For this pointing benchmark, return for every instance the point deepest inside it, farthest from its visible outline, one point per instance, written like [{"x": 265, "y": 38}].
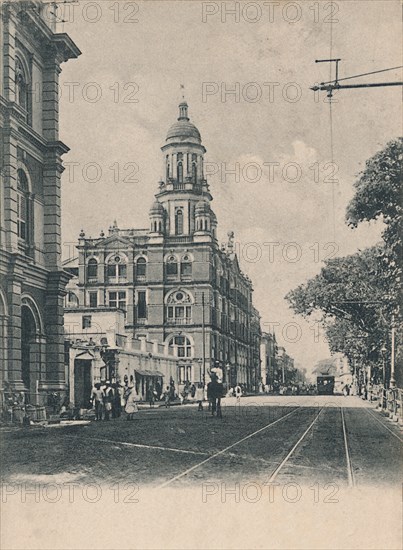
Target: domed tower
[
  {"x": 202, "y": 217},
  {"x": 157, "y": 215},
  {"x": 183, "y": 184}
]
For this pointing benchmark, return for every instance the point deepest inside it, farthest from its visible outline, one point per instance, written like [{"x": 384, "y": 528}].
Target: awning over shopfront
[{"x": 152, "y": 373}]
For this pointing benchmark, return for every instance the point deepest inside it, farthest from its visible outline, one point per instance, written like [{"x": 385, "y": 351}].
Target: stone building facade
[
  {"x": 268, "y": 353},
  {"x": 175, "y": 282},
  {"x": 32, "y": 283},
  {"x": 98, "y": 350}
]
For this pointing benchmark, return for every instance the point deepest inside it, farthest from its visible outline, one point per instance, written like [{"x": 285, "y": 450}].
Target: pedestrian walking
[
  {"x": 215, "y": 390},
  {"x": 151, "y": 395},
  {"x": 167, "y": 397},
  {"x": 131, "y": 403},
  {"x": 238, "y": 393},
  {"x": 210, "y": 394},
  {"x": 97, "y": 399},
  {"x": 116, "y": 405},
  {"x": 199, "y": 395},
  {"x": 108, "y": 400}
]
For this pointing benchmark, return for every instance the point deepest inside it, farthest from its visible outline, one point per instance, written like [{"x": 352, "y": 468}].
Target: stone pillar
[
  {"x": 199, "y": 167},
  {"x": 50, "y": 96},
  {"x": 185, "y": 165},
  {"x": 101, "y": 268},
  {"x": 3, "y": 347},
  {"x": 55, "y": 293},
  {"x": 14, "y": 290},
  {"x": 9, "y": 53},
  {"x": 52, "y": 213},
  {"x": 174, "y": 166},
  {"x": 10, "y": 190}
]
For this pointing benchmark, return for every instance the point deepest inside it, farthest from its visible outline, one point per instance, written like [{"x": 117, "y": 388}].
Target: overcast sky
[{"x": 120, "y": 123}]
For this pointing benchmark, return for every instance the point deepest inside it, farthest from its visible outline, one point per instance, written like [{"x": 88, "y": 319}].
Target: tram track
[
  {"x": 223, "y": 451},
  {"x": 349, "y": 465},
  {"x": 384, "y": 425},
  {"x": 293, "y": 449}
]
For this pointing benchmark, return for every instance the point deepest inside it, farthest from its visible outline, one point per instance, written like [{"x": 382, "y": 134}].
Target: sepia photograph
[{"x": 201, "y": 224}]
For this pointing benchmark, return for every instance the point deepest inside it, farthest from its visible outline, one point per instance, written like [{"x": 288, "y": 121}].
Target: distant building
[
  {"x": 32, "y": 279},
  {"x": 174, "y": 281},
  {"x": 286, "y": 372},
  {"x": 268, "y": 353}
]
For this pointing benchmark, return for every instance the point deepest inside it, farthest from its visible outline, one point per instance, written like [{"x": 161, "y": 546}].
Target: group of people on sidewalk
[{"x": 108, "y": 400}]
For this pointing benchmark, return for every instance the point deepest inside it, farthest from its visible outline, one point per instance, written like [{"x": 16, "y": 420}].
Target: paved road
[{"x": 306, "y": 440}]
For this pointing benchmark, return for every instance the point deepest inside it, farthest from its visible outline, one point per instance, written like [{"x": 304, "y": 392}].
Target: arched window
[
  {"x": 180, "y": 167},
  {"x": 92, "y": 269},
  {"x": 116, "y": 269},
  {"x": 183, "y": 345},
  {"x": 172, "y": 266},
  {"x": 167, "y": 168},
  {"x": 141, "y": 268},
  {"x": 186, "y": 266},
  {"x": 22, "y": 205},
  {"x": 179, "y": 222},
  {"x": 179, "y": 308},
  {"x": 194, "y": 168},
  {"x": 21, "y": 85},
  {"x": 180, "y": 172}
]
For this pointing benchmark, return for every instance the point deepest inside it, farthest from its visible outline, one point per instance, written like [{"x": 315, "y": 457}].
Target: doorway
[{"x": 82, "y": 383}]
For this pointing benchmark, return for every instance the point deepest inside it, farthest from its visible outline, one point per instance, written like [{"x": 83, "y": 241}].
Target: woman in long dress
[{"x": 131, "y": 406}]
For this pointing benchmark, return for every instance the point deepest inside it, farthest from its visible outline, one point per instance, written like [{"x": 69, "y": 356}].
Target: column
[
  {"x": 174, "y": 166},
  {"x": 199, "y": 167},
  {"x": 52, "y": 212},
  {"x": 14, "y": 289},
  {"x": 55, "y": 328},
  {"x": 185, "y": 166}
]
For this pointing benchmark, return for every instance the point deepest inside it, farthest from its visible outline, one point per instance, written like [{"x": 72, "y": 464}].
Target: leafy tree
[
  {"x": 379, "y": 195},
  {"x": 349, "y": 293},
  {"x": 358, "y": 295}
]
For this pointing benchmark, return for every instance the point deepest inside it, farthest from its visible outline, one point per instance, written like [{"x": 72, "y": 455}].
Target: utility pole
[
  {"x": 204, "y": 342},
  {"x": 332, "y": 85}
]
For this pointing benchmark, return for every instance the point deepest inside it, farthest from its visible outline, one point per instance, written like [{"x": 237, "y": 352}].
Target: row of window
[
  {"x": 117, "y": 271},
  {"x": 191, "y": 167}
]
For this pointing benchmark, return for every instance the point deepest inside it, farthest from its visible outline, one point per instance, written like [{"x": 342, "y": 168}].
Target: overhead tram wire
[
  {"x": 333, "y": 85},
  {"x": 363, "y": 74}
]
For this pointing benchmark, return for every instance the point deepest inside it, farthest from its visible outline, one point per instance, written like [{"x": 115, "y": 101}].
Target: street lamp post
[
  {"x": 200, "y": 361},
  {"x": 392, "y": 356},
  {"x": 383, "y": 351}
]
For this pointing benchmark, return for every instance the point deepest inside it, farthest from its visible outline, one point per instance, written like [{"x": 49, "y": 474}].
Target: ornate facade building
[
  {"x": 32, "y": 284},
  {"x": 177, "y": 285}
]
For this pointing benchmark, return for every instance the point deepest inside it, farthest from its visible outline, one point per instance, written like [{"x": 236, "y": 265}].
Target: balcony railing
[{"x": 181, "y": 321}]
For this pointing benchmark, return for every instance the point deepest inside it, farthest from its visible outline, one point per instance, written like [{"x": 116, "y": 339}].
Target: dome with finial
[
  {"x": 156, "y": 208},
  {"x": 183, "y": 129}
]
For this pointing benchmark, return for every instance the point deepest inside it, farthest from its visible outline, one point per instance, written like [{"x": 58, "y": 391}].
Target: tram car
[{"x": 325, "y": 385}]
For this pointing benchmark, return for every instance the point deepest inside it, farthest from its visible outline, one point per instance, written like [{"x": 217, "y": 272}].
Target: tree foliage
[
  {"x": 357, "y": 295},
  {"x": 379, "y": 195},
  {"x": 349, "y": 292}
]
